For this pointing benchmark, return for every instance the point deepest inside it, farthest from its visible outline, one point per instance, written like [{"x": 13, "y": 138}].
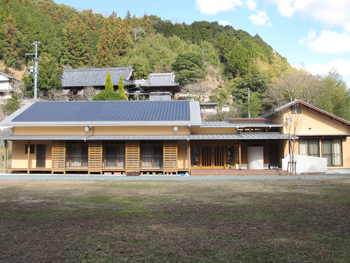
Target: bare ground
[{"x": 206, "y": 221}]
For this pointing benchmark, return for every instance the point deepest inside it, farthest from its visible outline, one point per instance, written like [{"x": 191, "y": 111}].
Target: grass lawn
[{"x": 205, "y": 221}]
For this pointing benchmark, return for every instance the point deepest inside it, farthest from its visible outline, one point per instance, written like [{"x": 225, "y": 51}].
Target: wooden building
[{"x": 164, "y": 137}]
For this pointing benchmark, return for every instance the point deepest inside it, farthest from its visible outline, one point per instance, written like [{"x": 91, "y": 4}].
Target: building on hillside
[
  {"x": 158, "y": 86},
  {"x": 75, "y": 80},
  {"x": 168, "y": 137},
  {"x": 208, "y": 107},
  {"x": 6, "y": 85}
]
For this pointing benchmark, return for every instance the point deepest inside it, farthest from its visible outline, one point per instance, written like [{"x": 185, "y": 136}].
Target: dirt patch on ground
[{"x": 206, "y": 221}]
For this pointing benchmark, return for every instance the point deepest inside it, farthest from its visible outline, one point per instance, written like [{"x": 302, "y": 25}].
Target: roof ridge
[{"x": 96, "y": 69}]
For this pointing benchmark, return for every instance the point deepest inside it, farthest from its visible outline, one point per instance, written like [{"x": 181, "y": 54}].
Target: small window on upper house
[
  {"x": 296, "y": 109},
  {"x": 32, "y": 147}
]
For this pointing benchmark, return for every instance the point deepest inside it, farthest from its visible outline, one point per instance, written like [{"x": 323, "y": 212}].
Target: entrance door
[
  {"x": 210, "y": 156},
  {"x": 219, "y": 155},
  {"x": 40, "y": 155},
  {"x": 206, "y": 156}
]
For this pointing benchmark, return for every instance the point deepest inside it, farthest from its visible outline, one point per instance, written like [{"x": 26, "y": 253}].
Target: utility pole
[
  {"x": 35, "y": 71},
  {"x": 249, "y": 103}
]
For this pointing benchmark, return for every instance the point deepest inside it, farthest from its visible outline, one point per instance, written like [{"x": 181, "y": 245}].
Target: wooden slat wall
[
  {"x": 132, "y": 155},
  {"x": 170, "y": 155},
  {"x": 58, "y": 155},
  {"x": 95, "y": 155}
]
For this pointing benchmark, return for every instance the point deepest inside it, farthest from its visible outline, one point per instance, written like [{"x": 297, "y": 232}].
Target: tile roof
[
  {"x": 96, "y": 76},
  {"x": 160, "y": 79}
]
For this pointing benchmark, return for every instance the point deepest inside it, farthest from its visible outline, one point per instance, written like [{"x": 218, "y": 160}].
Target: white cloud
[
  {"x": 284, "y": 7},
  {"x": 212, "y": 7},
  {"x": 328, "y": 12},
  {"x": 251, "y": 5},
  {"x": 260, "y": 18},
  {"x": 331, "y": 42},
  {"x": 224, "y": 23},
  {"x": 346, "y": 27},
  {"x": 310, "y": 36},
  {"x": 342, "y": 66}
]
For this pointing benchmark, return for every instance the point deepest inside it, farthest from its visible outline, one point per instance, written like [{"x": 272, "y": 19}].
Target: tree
[
  {"x": 89, "y": 93},
  {"x": 107, "y": 95},
  {"x": 189, "y": 67},
  {"x": 197, "y": 90},
  {"x": 49, "y": 77},
  {"x": 291, "y": 85},
  {"x": 255, "y": 105},
  {"x": 103, "y": 57},
  {"x": 92, "y": 21},
  {"x": 256, "y": 83},
  {"x": 334, "y": 95},
  {"x": 109, "y": 85},
  {"x": 238, "y": 62},
  {"x": 121, "y": 90},
  {"x": 72, "y": 48},
  {"x": 11, "y": 105},
  {"x": 10, "y": 43}
]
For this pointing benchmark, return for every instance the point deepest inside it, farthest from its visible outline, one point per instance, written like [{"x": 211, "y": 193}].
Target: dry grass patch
[{"x": 203, "y": 221}]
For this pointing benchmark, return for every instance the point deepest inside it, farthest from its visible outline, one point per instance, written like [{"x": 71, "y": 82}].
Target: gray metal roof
[
  {"x": 106, "y": 113},
  {"x": 93, "y": 137},
  {"x": 226, "y": 124},
  {"x": 242, "y": 136},
  {"x": 286, "y": 106},
  {"x": 9, "y": 76},
  {"x": 213, "y": 137},
  {"x": 96, "y": 77}
]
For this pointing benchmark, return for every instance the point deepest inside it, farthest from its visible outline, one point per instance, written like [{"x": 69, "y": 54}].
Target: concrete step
[{"x": 204, "y": 172}]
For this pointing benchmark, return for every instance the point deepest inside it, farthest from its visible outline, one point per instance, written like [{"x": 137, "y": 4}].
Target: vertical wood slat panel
[
  {"x": 95, "y": 155},
  {"x": 58, "y": 155},
  {"x": 170, "y": 155},
  {"x": 132, "y": 155}
]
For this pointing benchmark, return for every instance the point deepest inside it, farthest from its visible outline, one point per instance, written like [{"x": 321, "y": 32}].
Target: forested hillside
[{"x": 207, "y": 58}]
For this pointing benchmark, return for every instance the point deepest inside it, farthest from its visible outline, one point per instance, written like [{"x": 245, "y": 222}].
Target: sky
[{"x": 313, "y": 34}]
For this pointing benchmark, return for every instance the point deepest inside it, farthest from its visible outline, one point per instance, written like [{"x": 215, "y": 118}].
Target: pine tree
[
  {"x": 72, "y": 49},
  {"x": 48, "y": 8},
  {"x": 11, "y": 41},
  {"x": 92, "y": 21},
  {"x": 147, "y": 25},
  {"x": 84, "y": 55},
  {"x": 121, "y": 90},
  {"x": 103, "y": 56},
  {"x": 109, "y": 85}
]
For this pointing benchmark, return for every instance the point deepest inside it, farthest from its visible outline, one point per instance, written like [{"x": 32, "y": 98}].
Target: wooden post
[
  {"x": 240, "y": 155},
  {"x": 5, "y": 156},
  {"x": 188, "y": 156},
  {"x": 28, "y": 150}
]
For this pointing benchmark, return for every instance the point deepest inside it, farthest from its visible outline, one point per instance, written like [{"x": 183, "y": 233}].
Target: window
[
  {"x": 32, "y": 147},
  {"x": 332, "y": 150},
  {"x": 77, "y": 155},
  {"x": 152, "y": 156},
  {"x": 296, "y": 109},
  {"x": 309, "y": 147},
  {"x": 115, "y": 155},
  {"x": 229, "y": 156},
  {"x": 195, "y": 156}
]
